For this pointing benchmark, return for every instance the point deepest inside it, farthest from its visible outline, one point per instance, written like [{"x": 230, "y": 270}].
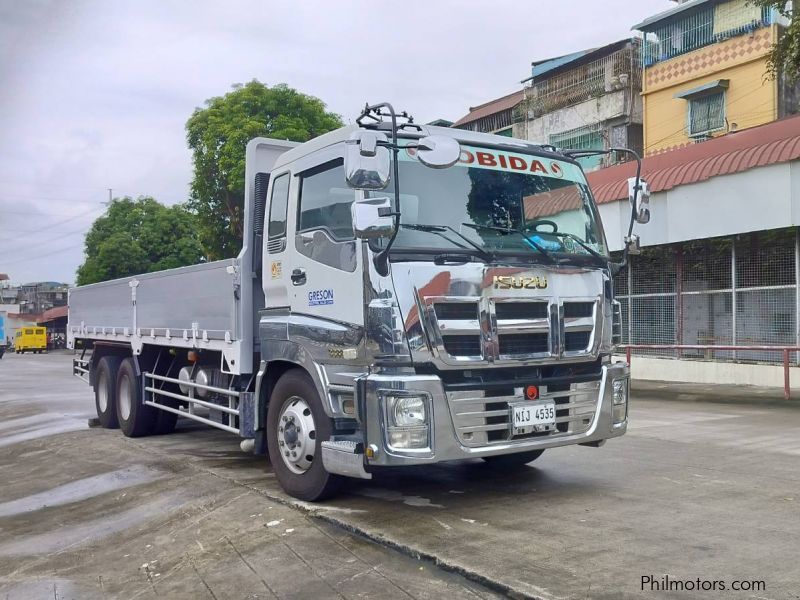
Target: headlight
[
  {"x": 408, "y": 425},
  {"x": 408, "y": 411},
  {"x": 619, "y": 400}
]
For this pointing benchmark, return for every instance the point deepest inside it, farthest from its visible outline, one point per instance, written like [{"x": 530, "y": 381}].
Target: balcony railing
[{"x": 708, "y": 26}]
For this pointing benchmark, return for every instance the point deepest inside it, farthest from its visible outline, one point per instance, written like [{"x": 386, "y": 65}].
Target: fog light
[
  {"x": 619, "y": 400},
  {"x": 408, "y": 438}
]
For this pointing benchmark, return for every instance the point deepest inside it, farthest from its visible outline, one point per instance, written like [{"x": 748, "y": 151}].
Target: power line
[
  {"x": 40, "y": 242},
  {"x": 38, "y": 256}
]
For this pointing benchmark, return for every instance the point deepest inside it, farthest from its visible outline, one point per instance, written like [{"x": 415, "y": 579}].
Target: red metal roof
[
  {"x": 53, "y": 314},
  {"x": 491, "y": 107},
  {"x": 768, "y": 144}
]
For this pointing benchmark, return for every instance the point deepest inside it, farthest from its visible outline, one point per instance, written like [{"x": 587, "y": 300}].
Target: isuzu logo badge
[{"x": 508, "y": 282}]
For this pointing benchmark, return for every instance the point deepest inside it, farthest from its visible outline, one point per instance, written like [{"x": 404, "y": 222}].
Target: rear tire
[
  {"x": 105, "y": 391},
  {"x": 512, "y": 461},
  {"x": 301, "y": 473},
  {"x": 136, "y": 419}
]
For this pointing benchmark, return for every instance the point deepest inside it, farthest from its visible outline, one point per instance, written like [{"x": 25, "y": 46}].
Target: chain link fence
[{"x": 722, "y": 291}]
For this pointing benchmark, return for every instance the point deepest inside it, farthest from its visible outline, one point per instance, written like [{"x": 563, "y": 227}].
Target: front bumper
[{"x": 447, "y": 439}]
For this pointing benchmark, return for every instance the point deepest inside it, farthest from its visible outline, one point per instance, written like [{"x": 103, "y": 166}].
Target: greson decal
[{"x": 508, "y": 282}]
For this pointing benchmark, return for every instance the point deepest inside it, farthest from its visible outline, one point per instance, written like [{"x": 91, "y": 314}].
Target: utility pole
[{"x": 110, "y": 200}]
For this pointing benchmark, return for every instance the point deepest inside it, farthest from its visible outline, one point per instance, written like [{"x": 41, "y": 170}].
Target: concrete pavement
[{"x": 694, "y": 491}]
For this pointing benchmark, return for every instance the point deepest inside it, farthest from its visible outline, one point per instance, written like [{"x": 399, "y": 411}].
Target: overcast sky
[{"x": 95, "y": 94}]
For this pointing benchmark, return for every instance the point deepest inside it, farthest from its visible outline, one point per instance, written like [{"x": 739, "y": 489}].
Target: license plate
[{"x": 529, "y": 417}]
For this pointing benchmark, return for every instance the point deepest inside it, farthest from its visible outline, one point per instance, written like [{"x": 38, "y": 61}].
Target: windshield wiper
[
  {"x": 506, "y": 231},
  {"x": 584, "y": 245},
  {"x": 441, "y": 229}
]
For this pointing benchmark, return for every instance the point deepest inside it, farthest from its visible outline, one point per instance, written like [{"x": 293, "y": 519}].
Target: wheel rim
[
  {"x": 124, "y": 399},
  {"x": 296, "y": 435},
  {"x": 102, "y": 392}
]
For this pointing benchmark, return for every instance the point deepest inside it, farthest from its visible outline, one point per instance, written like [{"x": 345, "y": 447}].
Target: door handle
[{"x": 298, "y": 277}]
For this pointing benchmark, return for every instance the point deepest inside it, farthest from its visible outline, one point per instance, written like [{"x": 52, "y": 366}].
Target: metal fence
[{"x": 721, "y": 291}]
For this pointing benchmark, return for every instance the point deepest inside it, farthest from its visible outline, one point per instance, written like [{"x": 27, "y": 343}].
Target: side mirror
[
  {"x": 373, "y": 218},
  {"x": 640, "y": 200},
  {"x": 366, "y": 160},
  {"x": 438, "y": 151}
]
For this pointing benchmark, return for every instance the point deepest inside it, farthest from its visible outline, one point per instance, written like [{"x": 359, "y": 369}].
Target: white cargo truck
[{"x": 405, "y": 295}]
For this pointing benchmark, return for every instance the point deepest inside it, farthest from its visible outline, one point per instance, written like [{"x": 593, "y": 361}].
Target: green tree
[
  {"x": 218, "y": 135},
  {"x": 139, "y": 236},
  {"x": 785, "y": 56}
]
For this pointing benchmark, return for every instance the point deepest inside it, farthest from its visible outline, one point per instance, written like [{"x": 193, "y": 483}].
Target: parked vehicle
[
  {"x": 30, "y": 339},
  {"x": 423, "y": 294}
]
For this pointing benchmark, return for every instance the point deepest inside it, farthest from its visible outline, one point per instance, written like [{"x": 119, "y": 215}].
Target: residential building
[
  {"x": 36, "y": 298},
  {"x": 721, "y": 255},
  {"x": 705, "y": 66},
  {"x": 585, "y": 100},
  {"x": 495, "y": 116}
]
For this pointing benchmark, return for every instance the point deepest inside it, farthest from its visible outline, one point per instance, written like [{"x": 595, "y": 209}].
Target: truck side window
[
  {"x": 277, "y": 207},
  {"x": 325, "y": 201}
]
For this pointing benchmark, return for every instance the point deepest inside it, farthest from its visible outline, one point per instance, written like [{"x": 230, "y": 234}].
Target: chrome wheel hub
[
  {"x": 296, "y": 435},
  {"x": 124, "y": 401},
  {"x": 102, "y": 391}
]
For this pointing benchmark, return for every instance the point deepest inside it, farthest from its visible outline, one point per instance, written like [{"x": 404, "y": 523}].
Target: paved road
[{"x": 695, "y": 490}]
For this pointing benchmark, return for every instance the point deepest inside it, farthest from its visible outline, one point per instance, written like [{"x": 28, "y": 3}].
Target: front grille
[
  {"x": 524, "y": 343},
  {"x": 462, "y": 345},
  {"x": 577, "y": 341},
  {"x": 456, "y": 311},
  {"x": 491, "y": 329},
  {"x": 520, "y": 310},
  {"x": 483, "y": 420},
  {"x": 578, "y": 310}
]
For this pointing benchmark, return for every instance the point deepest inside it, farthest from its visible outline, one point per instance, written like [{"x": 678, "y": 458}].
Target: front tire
[
  {"x": 512, "y": 461},
  {"x": 105, "y": 391},
  {"x": 296, "y": 427},
  {"x": 136, "y": 419}
]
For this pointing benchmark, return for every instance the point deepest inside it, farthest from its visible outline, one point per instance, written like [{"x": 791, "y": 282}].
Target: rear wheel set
[{"x": 118, "y": 399}]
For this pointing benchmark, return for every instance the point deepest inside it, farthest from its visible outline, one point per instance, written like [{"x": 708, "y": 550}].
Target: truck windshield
[{"x": 504, "y": 202}]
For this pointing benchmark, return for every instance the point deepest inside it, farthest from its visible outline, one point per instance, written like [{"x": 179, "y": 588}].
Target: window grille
[
  {"x": 583, "y": 138},
  {"x": 707, "y": 113}
]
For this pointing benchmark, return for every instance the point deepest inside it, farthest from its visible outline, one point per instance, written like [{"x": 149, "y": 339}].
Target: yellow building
[{"x": 705, "y": 65}]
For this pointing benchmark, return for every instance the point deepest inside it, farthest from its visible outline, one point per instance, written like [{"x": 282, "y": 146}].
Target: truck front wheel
[
  {"x": 513, "y": 461},
  {"x": 135, "y": 417},
  {"x": 105, "y": 391},
  {"x": 296, "y": 427}
]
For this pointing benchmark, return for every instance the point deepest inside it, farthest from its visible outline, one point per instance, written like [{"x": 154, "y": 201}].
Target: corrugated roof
[
  {"x": 53, "y": 314},
  {"x": 768, "y": 144},
  {"x": 649, "y": 21},
  {"x": 490, "y": 108}
]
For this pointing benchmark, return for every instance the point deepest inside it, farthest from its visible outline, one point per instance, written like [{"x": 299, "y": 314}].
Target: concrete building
[
  {"x": 721, "y": 258},
  {"x": 36, "y": 298},
  {"x": 704, "y": 72},
  {"x": 585, "y": 100}
]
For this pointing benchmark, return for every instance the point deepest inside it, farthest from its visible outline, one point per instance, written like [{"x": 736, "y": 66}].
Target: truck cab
[{"x": 405, "y": 295}]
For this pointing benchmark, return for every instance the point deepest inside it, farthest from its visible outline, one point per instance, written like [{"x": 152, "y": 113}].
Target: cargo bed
[{"x": 199, "y": 307}]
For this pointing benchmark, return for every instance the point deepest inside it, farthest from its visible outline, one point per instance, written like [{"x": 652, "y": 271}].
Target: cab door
[{"x": 323, "y": 267}]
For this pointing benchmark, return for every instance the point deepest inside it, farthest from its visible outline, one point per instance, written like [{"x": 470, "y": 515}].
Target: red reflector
[{"x": 531, "y": 392}]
